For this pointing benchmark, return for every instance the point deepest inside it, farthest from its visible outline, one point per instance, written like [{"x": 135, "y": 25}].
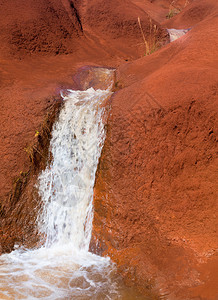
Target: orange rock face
[
  {"x": 156, "y": 189},
  {"x": 155, "y": 198},
  {"x": 42, "y": 44}
]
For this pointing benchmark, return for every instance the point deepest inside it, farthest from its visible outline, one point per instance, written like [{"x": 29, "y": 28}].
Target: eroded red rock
[
  {"x": 156, "y": 189},
  {"x": 42, "y": 44}
]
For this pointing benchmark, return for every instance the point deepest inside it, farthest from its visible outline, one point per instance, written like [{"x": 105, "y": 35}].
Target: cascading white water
[
  {"x": 63, "y": 268},
  {"x": 66, "y": 186}
]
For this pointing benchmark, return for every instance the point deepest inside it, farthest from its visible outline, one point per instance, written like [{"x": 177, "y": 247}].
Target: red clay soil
[
  {"x": 42, "y": 44},
  {"x": 156, "y": 189},
  {"x": 155, "y": 193}
]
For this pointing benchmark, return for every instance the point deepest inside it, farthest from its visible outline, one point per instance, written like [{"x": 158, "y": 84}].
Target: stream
[{"x": 63, "y": 268}]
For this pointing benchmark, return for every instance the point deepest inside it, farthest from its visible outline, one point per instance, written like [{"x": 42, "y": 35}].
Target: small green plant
[
  {"x": 24, "y": 174},
  {"x": 117, "y": 86},
  {"x": 36, "y": 133},
  {"x": 170, "y": 14},
  {"x": 173, "y": 10}
]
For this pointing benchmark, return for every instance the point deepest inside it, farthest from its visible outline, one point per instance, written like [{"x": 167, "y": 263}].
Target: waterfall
[
  {"x": 66, "y": 186},
  {"x": 63, "y": 268},
  {"x": 176, "y": 33}
]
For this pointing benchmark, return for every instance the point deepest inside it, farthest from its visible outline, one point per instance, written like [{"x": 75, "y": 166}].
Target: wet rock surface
[
  {"x": 42, "y": 46},
  {"x": 155, "y": 209}
]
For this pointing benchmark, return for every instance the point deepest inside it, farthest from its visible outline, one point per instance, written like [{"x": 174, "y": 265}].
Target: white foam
[
  {"x": 176, "y": 33},
  {"x": 66, "y": 187},
  {"x": 63, "y": 268}
]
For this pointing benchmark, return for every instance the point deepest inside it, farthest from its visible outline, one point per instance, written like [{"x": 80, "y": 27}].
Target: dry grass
[
  {"x": 151, "y": 44},
  {"x": 173, "y": 10}
]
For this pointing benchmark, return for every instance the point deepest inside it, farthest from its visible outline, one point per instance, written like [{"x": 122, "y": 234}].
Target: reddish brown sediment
[
  {"x": 42, "y": 46},
  {"x": 156, "y": 190},
  {"x": 156, "y": 187}
]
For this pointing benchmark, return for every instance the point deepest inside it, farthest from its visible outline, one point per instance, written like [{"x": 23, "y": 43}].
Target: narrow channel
[{"x": 63, "y": 268}]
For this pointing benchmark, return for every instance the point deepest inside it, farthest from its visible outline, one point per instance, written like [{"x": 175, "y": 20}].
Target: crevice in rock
[
  {"x": 76, "y": 13},
  {"x": 18, "y": 214}
]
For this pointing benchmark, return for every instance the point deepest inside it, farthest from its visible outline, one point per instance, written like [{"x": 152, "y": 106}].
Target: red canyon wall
[
  {"x": 156, "y": 189},
  {"x": 155, "y": 193},
  {"x": 42, "y": 44}
]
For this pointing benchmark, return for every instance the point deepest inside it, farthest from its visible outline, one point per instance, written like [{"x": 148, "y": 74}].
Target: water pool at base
[
  {"x": 60, "y": 273},
  {"x": 63, "y": 268}
]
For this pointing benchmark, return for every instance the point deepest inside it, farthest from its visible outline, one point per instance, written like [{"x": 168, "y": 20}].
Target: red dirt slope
[
  {"x": 155, "y": 209},
  {"x": 156, "y": 190},
  {"x": 42, "y": 44},
  {"x": 37, "y": 26}
]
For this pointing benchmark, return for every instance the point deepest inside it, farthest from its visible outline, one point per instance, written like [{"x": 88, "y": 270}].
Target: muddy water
[
  {"x": 63, "y": 268},
  {"x": 60, "y": 273}
]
